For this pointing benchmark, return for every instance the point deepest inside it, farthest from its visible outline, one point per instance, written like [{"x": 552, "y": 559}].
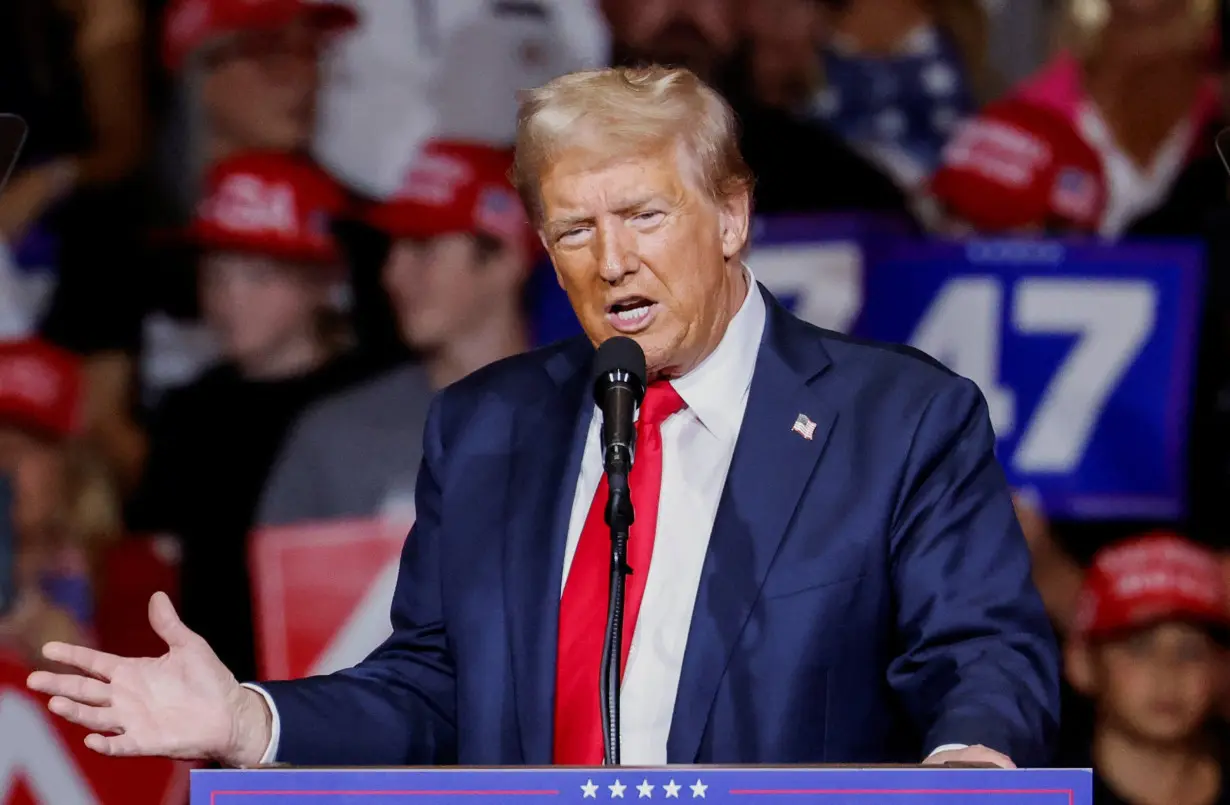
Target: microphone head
[{"x": 619, "y": 359}]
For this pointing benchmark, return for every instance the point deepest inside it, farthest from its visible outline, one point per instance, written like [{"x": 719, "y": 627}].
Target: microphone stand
[{"x": 619, "y": 516}]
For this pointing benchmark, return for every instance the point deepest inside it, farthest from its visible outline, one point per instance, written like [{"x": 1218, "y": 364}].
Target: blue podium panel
[
  {"x": 710, "y": 784},
  {"x": 1084, "y": 353}
]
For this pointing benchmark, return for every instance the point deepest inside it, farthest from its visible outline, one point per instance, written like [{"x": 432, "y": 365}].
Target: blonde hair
[{"x": 620, "y": 111}]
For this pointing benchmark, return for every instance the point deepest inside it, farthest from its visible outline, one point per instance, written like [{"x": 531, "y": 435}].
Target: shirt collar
[{"x": 716, "y": 389}]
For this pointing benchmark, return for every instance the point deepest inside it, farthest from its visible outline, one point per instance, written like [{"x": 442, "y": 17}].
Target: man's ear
[
  {"x": 1078, "y": 666},
  {"x": 735, "y": 214}
]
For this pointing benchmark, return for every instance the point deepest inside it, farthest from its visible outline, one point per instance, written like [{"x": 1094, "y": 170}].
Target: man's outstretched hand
[{"x": 184, "y": 704}]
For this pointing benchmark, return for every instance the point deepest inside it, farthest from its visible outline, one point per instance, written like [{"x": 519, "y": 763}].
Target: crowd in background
[{"x": 246, "y": 241}]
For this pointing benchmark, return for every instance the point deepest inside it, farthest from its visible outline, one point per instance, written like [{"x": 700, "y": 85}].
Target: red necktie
[{"x": 583, "y": 608}]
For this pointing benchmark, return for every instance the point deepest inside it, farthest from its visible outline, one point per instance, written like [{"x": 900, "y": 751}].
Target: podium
[{"x": 746, "y": 785}]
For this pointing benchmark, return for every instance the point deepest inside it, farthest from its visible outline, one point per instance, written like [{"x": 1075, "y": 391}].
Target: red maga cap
[
  {"x": 40, "y": 388},
  {"x": 269, "y": 203},
  {"x": 456, "y": 187},
  {"x": 1157, "y": 577},
  {"x": 1019, "y": 165},
  {"x": 192, "y": 23}
]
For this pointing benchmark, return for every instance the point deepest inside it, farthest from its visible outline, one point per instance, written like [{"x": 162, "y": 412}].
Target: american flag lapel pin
[{"x": 804, "y": 427}]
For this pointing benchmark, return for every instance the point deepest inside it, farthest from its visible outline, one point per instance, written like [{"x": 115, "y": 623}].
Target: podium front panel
[{"x": 696, "y": 784}]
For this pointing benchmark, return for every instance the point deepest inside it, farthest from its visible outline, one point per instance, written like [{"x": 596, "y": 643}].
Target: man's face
[
  {"x": 697, "y": 34},
  {"x": 256, "y": 305},
  {"x": 444, "y": 288},
  {"x": 260, "y": 87},
  {"x": 1159, "y": 684},
  {"x": 642, "y": 252},
  {"x": 35, "y": 467},
  {"x": 784, "y": 36}
]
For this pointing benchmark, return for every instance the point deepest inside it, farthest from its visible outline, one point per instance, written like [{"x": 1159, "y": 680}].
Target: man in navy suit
[{"x": 826, "y": 562}]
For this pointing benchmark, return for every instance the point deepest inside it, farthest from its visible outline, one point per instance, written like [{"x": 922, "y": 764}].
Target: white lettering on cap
[
  {"x": 999, "y": 151},
  {"x": 435, "y": 180},
  {"x": 247, "y": 204}
]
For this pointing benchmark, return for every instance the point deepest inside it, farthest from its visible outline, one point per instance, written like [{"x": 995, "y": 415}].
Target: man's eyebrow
[
  {"x": 633, "y": 204},
  {"x": 567, "y": 222}
]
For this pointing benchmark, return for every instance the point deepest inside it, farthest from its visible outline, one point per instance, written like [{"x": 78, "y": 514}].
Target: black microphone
[{"x": 619, "y": 387}]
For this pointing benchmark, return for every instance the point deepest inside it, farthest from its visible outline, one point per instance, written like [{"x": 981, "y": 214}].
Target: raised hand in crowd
[
  {"x": 184, "y": 704},
  {"x": 35, "y": 621}
]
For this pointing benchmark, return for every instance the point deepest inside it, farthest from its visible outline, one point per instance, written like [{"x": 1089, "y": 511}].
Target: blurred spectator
[
  {"x": 266, "y": 271},
  {"x": 898, "y": 77},
  {"x": 73, "y": 71},
  {"x": 446, "y": 69},
  {"x": 253, "y": 68},
  {"x": 67, "y": 230},
  {"x": 783, "y": 40},
  {"x": 1019, "y": 168},
  {"x": 1196, "y": 207},
  {"x": 1196, "y": 201},
  {"x": 1146, "y": 647},
  {"x": 450, "y": 69},
  {"x": 1135, "y": 83},
  {"x": 64, "y": 508},
  {"x": 800, "y": 167},
  {"x": 245, "y": 76},
  {"x": 461, "y": 253}
]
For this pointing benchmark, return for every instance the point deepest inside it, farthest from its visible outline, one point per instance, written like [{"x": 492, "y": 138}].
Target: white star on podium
[
  {"x": 646, "y": 789},
  {"x": 698, "y": 789},
  {"x": 589, "y": 790},
  {"x": 672, "y": 789},
  {"x": 617, "y": 790}
]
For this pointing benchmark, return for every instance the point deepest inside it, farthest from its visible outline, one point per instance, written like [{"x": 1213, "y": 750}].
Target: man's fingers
[
  {"x": 166, "y": 623},
  {"x": 98, "y": 663},
  {"x": 977, "y": 754},
  {"x": 987, "y": 755},
  {"x": 78, "y": 688},
  {"x": 114, "y": 745},
  {"x": 102, "y": 719}
]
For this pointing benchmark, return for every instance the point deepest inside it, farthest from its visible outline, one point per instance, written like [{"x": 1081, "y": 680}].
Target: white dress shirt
[{"x": 697, "y": 446}]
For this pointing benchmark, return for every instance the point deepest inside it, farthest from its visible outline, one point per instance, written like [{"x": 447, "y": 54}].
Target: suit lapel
[
  {"x": 545, "y": 461},
  {"x": 768, "y": 474}
]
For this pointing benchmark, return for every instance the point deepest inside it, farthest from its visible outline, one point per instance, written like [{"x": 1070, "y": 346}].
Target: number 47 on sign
[{"x": 1110, "y": 320}]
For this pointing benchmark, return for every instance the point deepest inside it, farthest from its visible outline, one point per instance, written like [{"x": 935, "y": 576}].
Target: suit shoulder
[
  {"x": 892, "y": 371},
  {"x": 900, "y": 359},
  {"x": 521, "y": 376}
]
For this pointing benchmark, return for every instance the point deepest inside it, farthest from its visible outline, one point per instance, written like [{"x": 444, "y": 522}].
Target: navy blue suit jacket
[{"x": 866, "y": 595}]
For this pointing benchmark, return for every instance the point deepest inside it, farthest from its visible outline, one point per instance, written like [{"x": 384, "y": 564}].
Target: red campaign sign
[
  {"x": 44, "y": 760},
  {"x": 322, "y": 593}
]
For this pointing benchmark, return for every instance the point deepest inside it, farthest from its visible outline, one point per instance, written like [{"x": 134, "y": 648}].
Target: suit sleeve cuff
[
  {"x": 275, "y": 729},
  {"x": 944, "y": 748}
]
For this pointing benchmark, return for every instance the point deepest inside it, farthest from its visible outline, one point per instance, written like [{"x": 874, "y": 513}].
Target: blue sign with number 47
[{"x": 1083, "y": 353}]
